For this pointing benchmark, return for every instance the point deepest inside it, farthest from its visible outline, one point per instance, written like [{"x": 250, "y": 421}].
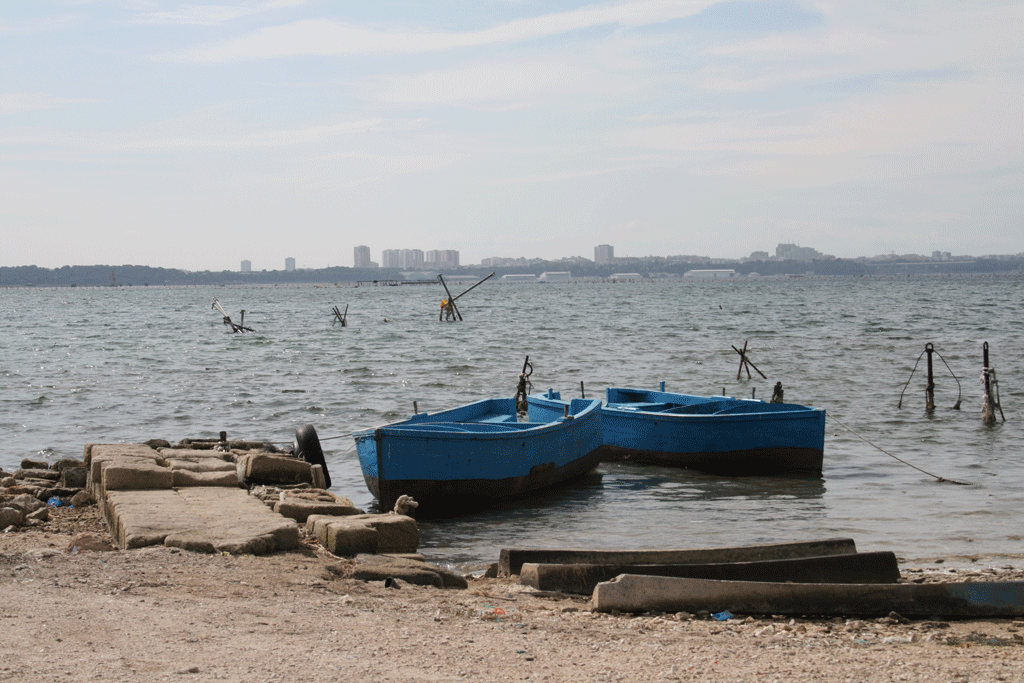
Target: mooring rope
[
  {"x": 959, "y": 390},
  {"x": 934, "y": 476},
  {"x": 339, "y": 436},
  {"x": 319, "y": 438}
]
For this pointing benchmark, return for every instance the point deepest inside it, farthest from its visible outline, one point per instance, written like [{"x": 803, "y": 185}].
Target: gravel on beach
[{"x": 163, "y": 614}]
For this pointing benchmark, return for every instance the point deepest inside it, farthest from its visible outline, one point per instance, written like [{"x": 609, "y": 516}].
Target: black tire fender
[{"x": 307, "y": 447}]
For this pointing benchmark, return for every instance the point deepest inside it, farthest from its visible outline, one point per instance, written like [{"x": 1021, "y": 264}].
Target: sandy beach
[{"x": 161, "y": 613}]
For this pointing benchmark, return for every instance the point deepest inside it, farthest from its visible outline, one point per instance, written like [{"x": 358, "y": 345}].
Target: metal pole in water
[
  {"x": 988, "y": 414},
  {"x": 929, "y": 391}
]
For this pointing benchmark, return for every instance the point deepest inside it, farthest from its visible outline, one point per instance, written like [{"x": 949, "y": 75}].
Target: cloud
[
  {"x": 493, "y": 81},
  {"x": 557, "y": 177},
  {"x": 210, "y": 15},
  {"x": 846, "y": 47},
  {"x": 23, "y": 102},
  {"x": 152, "y": 142},
  {"x": 332, "y": 38}
]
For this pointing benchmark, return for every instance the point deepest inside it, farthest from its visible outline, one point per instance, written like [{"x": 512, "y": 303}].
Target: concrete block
[
  {"x": 300, "y": 504},
  {"x": 128, "y": 475},
  {"x": 181, "y": 478},
  {"x": 380, "y": 567},
  {"x": 398, "y": 533},
  {"x": 265, "y": 468},
  {"x": 194, "y": 454},
  {"x": 198, "y": 518},
  {"x": 98, "y": 456},
  {"x": 365, "y": 533},
  {"x": 379, "y": 572},
  {"x": 208, "y": 465},
  {"x": 350, "y": 539}
]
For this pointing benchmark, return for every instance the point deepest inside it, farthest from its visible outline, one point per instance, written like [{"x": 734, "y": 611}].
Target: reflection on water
[{"x": 626, "y": 505}]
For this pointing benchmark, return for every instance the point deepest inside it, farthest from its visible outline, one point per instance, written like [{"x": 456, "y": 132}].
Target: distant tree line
[{"x": 145, "y": 276}]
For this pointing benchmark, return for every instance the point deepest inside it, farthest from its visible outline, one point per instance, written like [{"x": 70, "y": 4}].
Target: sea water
[{"x": 128, "y": 364}]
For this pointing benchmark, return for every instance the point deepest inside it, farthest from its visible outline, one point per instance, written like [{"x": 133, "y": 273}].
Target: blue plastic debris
[
  {"x": 722, "y": 616},
  {"x": 55, "y": 502}
]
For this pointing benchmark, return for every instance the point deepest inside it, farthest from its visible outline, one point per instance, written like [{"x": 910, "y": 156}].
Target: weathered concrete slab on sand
[
  {"x": 198, "y": 518},
  {"x": 137, "y": 466},
  {"x": 351, "y": 535},
  {"x": 512, "y": 560},
  {"x": 879, "y": 567},
  {"x": 630, "y": 593}
]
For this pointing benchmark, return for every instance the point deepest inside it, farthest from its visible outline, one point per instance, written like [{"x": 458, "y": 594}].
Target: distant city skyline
[
  {"x": 411, "y": 259},
  {"x": 193, "y": 135}
]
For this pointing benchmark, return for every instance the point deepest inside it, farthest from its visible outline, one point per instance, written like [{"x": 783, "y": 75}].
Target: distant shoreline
[{"x": 146, "y": 276}]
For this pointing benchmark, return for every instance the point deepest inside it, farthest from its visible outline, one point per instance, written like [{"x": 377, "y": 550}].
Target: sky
[{"x": 195, "y": 135}]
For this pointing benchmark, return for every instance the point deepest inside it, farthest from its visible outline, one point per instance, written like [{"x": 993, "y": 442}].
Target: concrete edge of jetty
[{"x": 234, "y": 497}]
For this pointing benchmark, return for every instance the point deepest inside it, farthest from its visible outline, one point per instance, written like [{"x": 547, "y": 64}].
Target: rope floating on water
[{"x": 934, "y": 476}]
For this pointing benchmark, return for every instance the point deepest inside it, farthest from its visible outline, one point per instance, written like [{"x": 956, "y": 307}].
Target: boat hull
[
  {"x": 454, "y": 496},
  {"x": 717, "y": 435},
  {"x": 475, "y": 456},
  {"x": 750, "y": 462}
]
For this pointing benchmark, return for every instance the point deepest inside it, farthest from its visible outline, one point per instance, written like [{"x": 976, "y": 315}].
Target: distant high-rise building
[
  {"x": 391, "y": 258},
  {"x": 361, "y": 257},
  {"x": 412, "y": 258},
  {"x": 246, "y": 266},
  {"x": 794, "y": 253},
  {"x": 289, "y": 264},
  {"x": 604, "y": 253},
  {"x": 442, "y": 258}
]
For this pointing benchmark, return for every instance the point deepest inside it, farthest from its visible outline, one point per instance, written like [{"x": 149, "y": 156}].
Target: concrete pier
[{"x": 199, "y": 499}]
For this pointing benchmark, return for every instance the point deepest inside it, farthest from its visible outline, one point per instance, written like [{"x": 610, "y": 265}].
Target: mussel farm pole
[
  {"x": 929, "y": 391},
  {"x": 475, "y": 286},
  {"x": 450, "y": 299}
]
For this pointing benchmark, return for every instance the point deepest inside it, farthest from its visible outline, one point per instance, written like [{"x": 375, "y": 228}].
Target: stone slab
[
  {"x": 300, "y": 509},
  {"x": 266, "y": 468},
  {"x": 512, "y": 559},
  {"x": 876, "y": 567},
  {"x": 354, "y": 534},
  {"x": 124, "y": 474},
  {"x": 99, "y": 456},
  {"x": 211, "y": 519},
  {"x": 207, "y": 465},
  {"x": 183, "y": 478},
  {"x": 631, "y": 593},
  {"x": 380, "y": 567},
  {"x": 194, "y": 454}
]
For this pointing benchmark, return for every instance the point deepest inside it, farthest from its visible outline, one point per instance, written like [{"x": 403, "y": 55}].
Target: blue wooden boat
[
  {"x": 476, "y": 455},
  {"x": 715, "y": 434}
]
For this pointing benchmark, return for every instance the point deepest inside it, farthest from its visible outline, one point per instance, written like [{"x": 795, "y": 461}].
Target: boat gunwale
[{"x": 487, "y": 431}]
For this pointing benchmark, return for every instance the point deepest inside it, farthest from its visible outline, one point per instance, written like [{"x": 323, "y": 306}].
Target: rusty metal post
[
  {"x": 988, "y": 413},
  {"x": 929, "y": 390}
]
